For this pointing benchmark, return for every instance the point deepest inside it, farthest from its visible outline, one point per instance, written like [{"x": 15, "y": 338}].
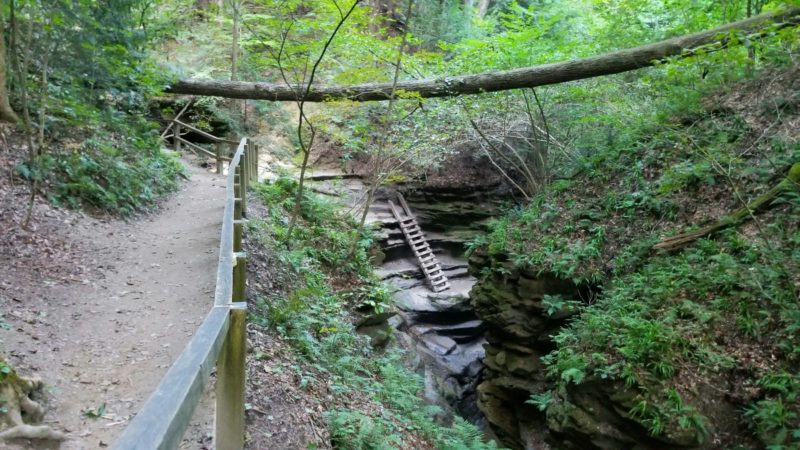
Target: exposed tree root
[
  {"x": 26, "y": 431},
  {"x": 21, "y": 409},
  {"x": 791, "y": 182}
]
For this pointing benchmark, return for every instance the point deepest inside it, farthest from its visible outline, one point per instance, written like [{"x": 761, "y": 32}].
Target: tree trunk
[
  {"x": 6, "y": 113},
  {"x": 235, "y": 44},
  {"x": 606, "y": 64},
  {"x": 469, "y": 6},
  {"x": 791, "y": 182},
  {"x": 483, "y": 8}
]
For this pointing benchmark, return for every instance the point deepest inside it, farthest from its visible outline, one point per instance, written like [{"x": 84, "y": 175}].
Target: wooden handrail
[
  {"x": 220, "y": 339},
  {"x": 178, "y": 116},
  {"x": 205, "y": 134},
  {"x": 196, "y": 148},
  {"x": 177, "y": 139}
]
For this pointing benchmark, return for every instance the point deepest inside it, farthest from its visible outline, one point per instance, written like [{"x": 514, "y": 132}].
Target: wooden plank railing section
[
  {"x": 178, "y": 142},
  {"x": 220, "y": 339}
]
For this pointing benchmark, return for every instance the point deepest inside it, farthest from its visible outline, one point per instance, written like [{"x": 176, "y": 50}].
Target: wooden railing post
[
  {"x": 249, "y": 161},
  {"x": 218, "y": 152},
  {"x": 176, "y": 139},
  {"x": 241, "y": 192},
  {"x": 237, "y": 212},
  {"x": 230, "y": 390},
  {"x": 246, "y": 166},
  {"x": 240, "y": 267},
  {"x": 256, "y": 161},
  {"x": 239, "y": 293},
  {"x": 243, "y": 171}
]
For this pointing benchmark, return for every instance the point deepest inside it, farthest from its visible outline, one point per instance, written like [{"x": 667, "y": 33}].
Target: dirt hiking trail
[{"x": 106, "y": 333}]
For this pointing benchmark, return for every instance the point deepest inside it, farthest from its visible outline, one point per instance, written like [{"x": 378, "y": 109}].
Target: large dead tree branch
[
  {"x": 761, "y": 203},
  {"x": 605, "y": 64}
]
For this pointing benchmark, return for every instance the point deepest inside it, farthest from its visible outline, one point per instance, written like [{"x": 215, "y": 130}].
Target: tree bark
[
  {"x": 483, "y": 8},
  {"x": 605, "y": 64},
  {"x": 761, "y": 203},
  {"x": 235, "y": 6},
  {"x": 6, "y": 113}
]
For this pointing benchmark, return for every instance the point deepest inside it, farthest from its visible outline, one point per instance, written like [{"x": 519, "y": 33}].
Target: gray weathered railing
[
  {"x": 220, "y": 339},
  {"x": 177, "y": 139}
]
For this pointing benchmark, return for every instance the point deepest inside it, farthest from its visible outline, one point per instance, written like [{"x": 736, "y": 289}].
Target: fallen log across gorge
[{"x": 528, "y": 77}]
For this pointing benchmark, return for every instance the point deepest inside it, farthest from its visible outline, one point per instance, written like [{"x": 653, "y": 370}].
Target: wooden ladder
[{"x": 413, "y": 233}]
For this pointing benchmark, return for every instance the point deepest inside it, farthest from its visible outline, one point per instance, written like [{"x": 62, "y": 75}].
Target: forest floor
[{"x": 100, "y": 308}]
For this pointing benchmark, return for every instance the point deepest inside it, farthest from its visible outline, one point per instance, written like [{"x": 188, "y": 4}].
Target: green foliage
[
  {"x": 353, "y": 430},
  {"x": 105, "y": 178},
  {"x": 776, "y": 419},
  {"x": 315, "y": 317},
  {"x": 557, "y": 304},
  {"x": 541, "y": 401},
  {"x": 97, "y": 150}
]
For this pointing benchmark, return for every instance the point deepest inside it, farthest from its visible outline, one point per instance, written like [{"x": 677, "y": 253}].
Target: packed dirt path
[{"x": 106, "y": 334}]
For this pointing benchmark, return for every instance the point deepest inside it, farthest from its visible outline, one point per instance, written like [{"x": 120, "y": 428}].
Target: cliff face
[
  {"x": 511, "y": 304},
  {"x": 598, "y": 338},
  {"x": 521, "y": 324}
]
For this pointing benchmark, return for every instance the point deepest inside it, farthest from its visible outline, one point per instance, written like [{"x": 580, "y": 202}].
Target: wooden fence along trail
[{"x": 220, "y": 339}]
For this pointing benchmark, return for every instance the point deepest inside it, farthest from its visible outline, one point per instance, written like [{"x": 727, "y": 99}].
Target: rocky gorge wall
[
  {"x": 511, "y": 305},
  {"x": 519, "y": 330}
]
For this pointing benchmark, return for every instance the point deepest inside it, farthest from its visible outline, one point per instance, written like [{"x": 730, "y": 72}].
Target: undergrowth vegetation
[
  {"x": 316, "y": 314},
  {"x": 82, "y": 79},
  {"x": 679, "y": 330},
  {"x": 118, "y": 168}
]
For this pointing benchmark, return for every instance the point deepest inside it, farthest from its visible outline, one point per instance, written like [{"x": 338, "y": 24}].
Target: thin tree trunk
[
  {"x": 606, "y": 64},
  {"x": 235, "y": 45},
  {"x": 22, "y": 58},
  {"x": 469, "y": 7},
  {"x": 44, "y": 96},
  {"x": 298, "y": 97},
  {"x": 483, "y": 8},
  {"x": 378, "y": 173},
  {"x": 6, "y": 113}
]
